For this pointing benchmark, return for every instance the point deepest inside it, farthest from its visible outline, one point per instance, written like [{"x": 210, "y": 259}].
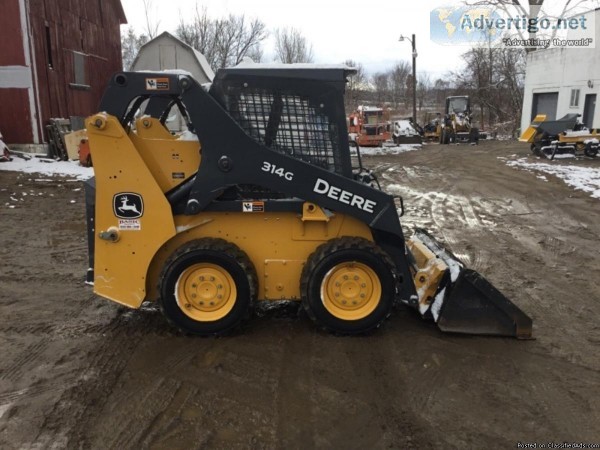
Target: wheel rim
[
  {"x": 351, "y": 291},
  {"x": 205, "y": 292}
]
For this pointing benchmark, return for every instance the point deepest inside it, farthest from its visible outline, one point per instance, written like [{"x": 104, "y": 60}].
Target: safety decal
[
  {"x": 252, "y": 207},
  {"x": 157, "y": 84},
  {"x": 177, "y": 175},
  {"x": 128, "y": 205},
  {"x": 130, "y": 225}
]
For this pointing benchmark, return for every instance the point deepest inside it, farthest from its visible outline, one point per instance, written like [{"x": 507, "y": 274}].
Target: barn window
[
  {"x": 49, "y": 47},
  {"x": 574, "y": 98},
  {"x": 79, "y": 71}
]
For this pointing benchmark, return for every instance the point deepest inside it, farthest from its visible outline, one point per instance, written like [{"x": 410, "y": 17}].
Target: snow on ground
[
  {"x": 388, "y": 150},
  {"x": 581, "y": 178},
  {"x": 35, "y": 165}
]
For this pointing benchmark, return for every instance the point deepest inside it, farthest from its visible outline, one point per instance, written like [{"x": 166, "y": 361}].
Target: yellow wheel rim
[
  {"x": 205, "y": 292},
  {"x": 351, "y": 291}
]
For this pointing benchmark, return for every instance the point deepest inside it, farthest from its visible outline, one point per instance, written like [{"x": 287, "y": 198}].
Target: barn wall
[
  {"x": 18, "y": 120},
  {"x": 15, "y": 116},
  {"x": 10, "y": 34},
  {"x": 61, "y": 28}
]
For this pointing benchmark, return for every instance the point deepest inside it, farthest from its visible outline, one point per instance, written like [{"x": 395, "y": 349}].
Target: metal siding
[
  {"x": 11, "y": 37},
  {"x": 15, "y": 119}
]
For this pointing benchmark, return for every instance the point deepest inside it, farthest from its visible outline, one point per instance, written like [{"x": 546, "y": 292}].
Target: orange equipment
[{"x": 369, "y": 126}]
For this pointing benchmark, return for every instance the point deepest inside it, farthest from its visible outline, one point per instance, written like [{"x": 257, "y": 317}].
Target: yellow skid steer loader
[{"x": 263, "y": 206}]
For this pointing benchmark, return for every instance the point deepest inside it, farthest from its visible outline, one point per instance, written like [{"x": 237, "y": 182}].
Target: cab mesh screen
[{"x": 287, "y": 123}]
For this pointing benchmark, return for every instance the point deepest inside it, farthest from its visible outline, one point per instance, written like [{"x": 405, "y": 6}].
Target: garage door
[{"x": 545, "y": 104}]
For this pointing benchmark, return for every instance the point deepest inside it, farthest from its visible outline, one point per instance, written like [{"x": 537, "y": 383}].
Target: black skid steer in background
[{"x": 264, "y": 205}]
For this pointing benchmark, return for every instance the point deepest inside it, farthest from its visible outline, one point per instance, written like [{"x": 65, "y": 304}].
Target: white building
[
  {"x": 561, "y": 81},
  {"x": 166, "y": 52}
]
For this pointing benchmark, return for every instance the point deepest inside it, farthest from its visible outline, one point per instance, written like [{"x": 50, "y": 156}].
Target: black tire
[
  {"x": 351, "y": 252},
  {"x": 206, "y": 254},
  {"x": 590, "y": 150},
  {"x": 474, "y": 135},
  {"x": 447, "y": 137}
]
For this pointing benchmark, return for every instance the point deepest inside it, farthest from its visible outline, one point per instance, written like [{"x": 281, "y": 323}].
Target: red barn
[{"x": 56, "y": 57}]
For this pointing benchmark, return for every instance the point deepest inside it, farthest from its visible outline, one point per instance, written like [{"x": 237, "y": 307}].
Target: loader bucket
[{"x": 465, "y": 302}]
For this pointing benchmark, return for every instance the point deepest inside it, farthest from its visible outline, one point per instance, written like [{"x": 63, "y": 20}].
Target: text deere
[{"x": 323, "y": 187}]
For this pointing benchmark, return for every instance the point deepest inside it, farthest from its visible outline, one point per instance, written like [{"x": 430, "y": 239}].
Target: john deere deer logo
[{"x": 128, "y": 205}]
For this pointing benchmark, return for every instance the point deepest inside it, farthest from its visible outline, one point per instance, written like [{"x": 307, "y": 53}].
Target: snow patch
[
  {"x": 585, "y": 179},
  {"x": 188, "y": 136},
  {"x": 391, "y": 150},
  {"x": 437, "y": 304},
  {"x": 34, "y": 165}
]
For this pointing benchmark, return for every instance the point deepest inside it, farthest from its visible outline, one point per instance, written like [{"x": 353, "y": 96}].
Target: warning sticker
[
  {"x": 253, "y": 207},
  {"x": 130, "y": 225},
  {"x": 157, "y": 84}
]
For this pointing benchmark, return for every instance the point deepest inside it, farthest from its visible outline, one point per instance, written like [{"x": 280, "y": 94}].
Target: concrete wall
[{"x": 561, "y": 70}]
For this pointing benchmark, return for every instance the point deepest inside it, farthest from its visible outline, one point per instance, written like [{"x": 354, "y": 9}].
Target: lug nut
[
  {"x": 201, "y": 278},
  {"x": 212, "y": 278},
  {"x": 187, "y": 305},
  {"x": 219, "y": 296},
  {"x": 194, "y": 285},
  {"x": 345, "y": 277},
  {"x": 362, "y": 295},
  {"x": 193, "y": 295},
  {"x": 355, "y": 277},
  {"x": 219, "y": 286},
  {"x": 344, "y": 302},
  {"x": 363, "y": 285},
  {"x": 212, "y": 303}
]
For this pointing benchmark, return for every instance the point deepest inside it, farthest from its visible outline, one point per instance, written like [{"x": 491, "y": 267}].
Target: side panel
[
  {"x": 269, "y": 239},
  {"x": 170, "y": 160},
  {"x": 124, "y": 187}
]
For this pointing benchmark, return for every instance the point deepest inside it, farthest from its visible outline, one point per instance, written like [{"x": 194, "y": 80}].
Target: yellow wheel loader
[{"x": 258, "y": 201}]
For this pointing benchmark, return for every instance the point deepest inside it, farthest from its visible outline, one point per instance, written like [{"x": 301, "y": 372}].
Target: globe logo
[{"x": 464, "y": 25}]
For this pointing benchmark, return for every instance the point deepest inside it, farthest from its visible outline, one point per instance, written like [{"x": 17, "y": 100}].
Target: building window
[
  {"x": 49, "y": 47},
  {"x": 79, "y": 71},
  {"x": 574, "y": 98}
]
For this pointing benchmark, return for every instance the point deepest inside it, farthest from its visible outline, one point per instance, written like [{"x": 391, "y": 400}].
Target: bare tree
[
  {"x": 223, "y": 41},
  {"x": 423, "y": 89},
  {"x": 151, "y": 24},
  {"x": 495, "y": 77},
  {"x": 397, "y": 81},
  {"x": 292, "y": 47},
  {"x": 130, "y": 46},
  {"x": 381, "y": 85},
  {"x": 356, "y": 85}
]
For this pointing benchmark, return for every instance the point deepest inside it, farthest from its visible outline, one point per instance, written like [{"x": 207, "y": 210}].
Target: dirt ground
[{"x": 77, "y": 371}]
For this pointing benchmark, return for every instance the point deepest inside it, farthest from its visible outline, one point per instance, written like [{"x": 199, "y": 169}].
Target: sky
[{"x": 364, "y": 31}]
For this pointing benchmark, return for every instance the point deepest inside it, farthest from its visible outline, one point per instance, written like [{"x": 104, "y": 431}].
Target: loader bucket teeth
[{"x": 465, "y": 301}]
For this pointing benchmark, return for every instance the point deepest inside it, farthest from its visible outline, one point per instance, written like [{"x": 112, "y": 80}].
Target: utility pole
[{"x": 413, "y": 41}]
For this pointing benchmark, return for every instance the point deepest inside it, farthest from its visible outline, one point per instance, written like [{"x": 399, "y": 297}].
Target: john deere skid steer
[{"x": 265, "y": 205}]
